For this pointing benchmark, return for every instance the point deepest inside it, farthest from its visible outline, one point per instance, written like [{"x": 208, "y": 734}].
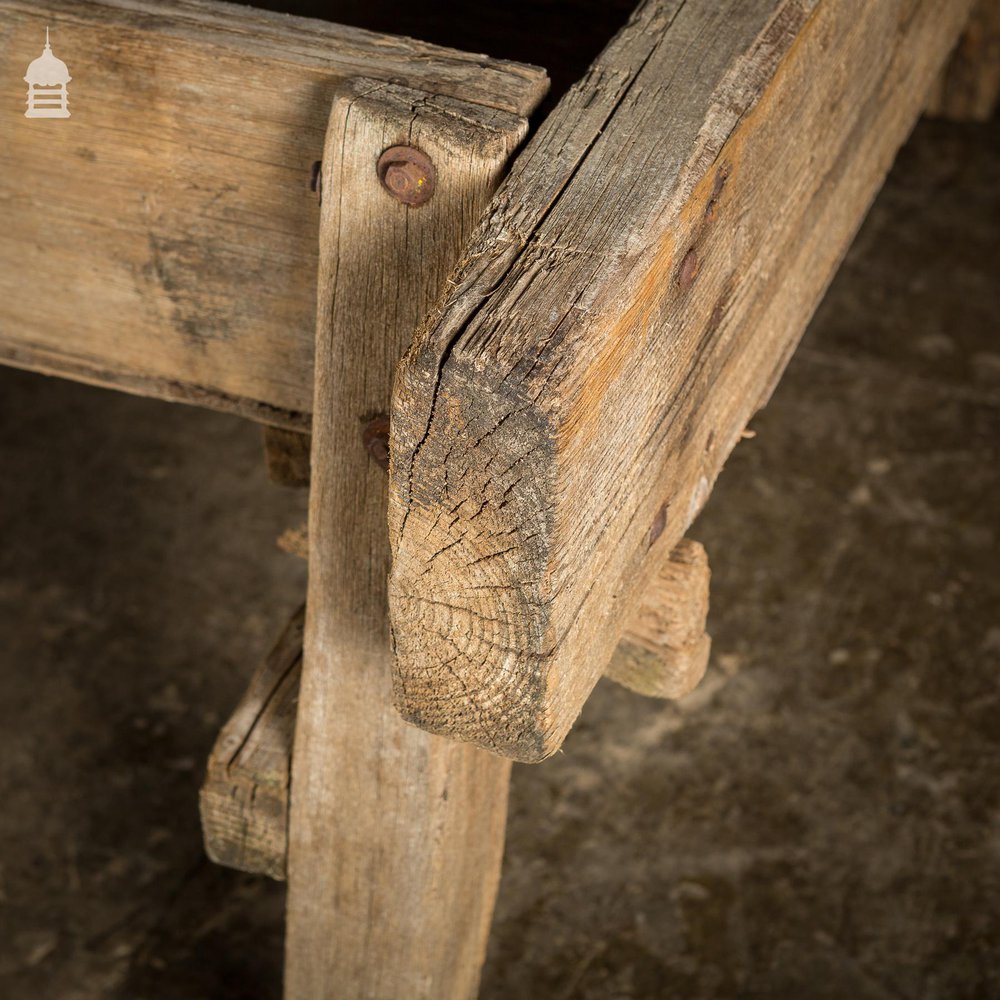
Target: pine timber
[
  {"x": 629, "y": 301},
  {"x": 969, "y": 86},
  {"x": 244, "y": 800},
  {"x": 396, "y": 836},
  {"x": 162, "y": 239}
]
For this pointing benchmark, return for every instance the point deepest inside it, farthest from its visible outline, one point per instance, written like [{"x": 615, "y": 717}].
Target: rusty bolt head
[
  {"x": 407, "y": 174},
  {"x": 375, "y": 437},
  {"x": 690, "y": 266}
]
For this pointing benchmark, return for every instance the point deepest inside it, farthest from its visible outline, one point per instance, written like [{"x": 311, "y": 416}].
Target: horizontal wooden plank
[
  {"x": 163, "y": 239},
  {"x": 631, "y": 298},
  {"x": 245, "y": 796}
]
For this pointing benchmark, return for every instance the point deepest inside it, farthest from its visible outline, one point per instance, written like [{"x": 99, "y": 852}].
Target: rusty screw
[
  {"x": 407, "y": 174},
  {"x": 375, "y": 437}
]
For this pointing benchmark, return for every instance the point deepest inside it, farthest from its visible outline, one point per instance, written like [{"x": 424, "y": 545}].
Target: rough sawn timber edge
[{"x": 630, "y": 299}]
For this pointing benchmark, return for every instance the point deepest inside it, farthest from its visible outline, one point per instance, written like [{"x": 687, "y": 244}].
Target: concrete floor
[{"x": 820, "y": 819}]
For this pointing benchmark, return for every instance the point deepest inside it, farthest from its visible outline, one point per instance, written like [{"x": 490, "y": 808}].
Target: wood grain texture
[
  {"x": 244, "y": 798},
  {"x": 969, "y": 85},
  {"x": 396, "y": 836},
  {"x": 631, "y": 298},
  {"x": 162, "y": 240},
  {"x": 244, "y": 801},
  {"x": 665, "y": 648}
]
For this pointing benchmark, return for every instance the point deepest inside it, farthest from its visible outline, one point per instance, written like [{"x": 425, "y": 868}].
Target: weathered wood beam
[
  {"x": 396, "y": 836},
  {"x": 665, "y": 648},
  {"x": 244, "y": 800},
  {"x": 170, "y": 249},
  {"x": 969, "y": 86},
  {"x": 630, "y": 300}
]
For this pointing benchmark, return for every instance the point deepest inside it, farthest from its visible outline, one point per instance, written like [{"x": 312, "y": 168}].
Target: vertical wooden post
[{"x": 396, "y": 836}]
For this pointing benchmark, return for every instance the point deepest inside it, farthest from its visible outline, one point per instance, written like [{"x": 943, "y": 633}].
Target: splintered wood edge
[{"x": 244, "y": 806}]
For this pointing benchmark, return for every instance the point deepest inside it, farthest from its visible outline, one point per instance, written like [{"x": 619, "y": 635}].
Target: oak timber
[
  {"x": 969, "y": 86},
  {"x": 244, "y": 801},
  {"x": 396, "y": 836},
  {"x": 629, "y": 301},
  {"x": 162, "y": 239}
]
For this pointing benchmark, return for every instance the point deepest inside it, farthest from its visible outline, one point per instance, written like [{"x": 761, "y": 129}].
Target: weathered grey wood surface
[
  {"x": 163, "y": 238},
  {"x": 396, "y": 836},
  {"x": 244, "y": 801},
  {"x": 629, "y": 301}
]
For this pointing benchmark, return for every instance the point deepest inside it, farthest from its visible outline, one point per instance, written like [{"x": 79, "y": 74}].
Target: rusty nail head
[
  {"x": 659, "y": 523},
  {"x": 375, "y": 436},
  {"x": 407, "y": 174}
]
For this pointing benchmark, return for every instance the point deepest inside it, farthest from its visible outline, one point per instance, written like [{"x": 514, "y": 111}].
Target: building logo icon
[{"x": 47, "y": 78}]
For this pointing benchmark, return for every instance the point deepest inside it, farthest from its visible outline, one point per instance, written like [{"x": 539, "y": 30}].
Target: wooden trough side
[
  {"x": 163, "y": 238},
  {"x": 245, "y": 795},
  {"x": 628, "y": 303}
]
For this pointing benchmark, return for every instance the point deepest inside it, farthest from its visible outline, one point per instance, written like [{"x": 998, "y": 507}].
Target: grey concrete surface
[{"x": 820, "y": 819}]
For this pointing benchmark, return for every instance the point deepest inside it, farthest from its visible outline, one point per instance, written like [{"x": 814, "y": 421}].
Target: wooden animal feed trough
[{"x": 554, "y": 350}]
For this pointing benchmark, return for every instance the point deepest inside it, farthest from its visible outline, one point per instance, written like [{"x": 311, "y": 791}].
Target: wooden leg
[{"x": 395, "y": 836}]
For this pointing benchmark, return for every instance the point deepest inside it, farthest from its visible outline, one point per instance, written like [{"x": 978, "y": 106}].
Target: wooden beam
[
  {"x": 630, "y": 300},
  {"x": 168, "y": 247},
  {"x": 244, "y": 800},
  {"x": 665, "y": 648},
  {"x": 287, "y": 456},
  {"x": 969, "y": 86},
  {"x": 396, "y": 836}
]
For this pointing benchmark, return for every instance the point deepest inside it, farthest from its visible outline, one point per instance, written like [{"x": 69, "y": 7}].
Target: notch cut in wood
[{"x": 245, "y": 795}]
